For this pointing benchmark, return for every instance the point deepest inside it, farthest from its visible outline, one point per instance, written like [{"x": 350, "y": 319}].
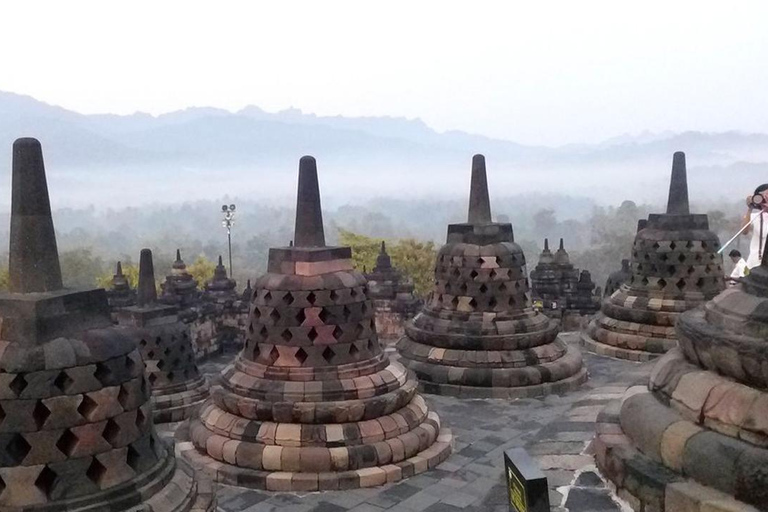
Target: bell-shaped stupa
[
  {"x": 393, "y": 297},
  {"x": 76, "y": 432},
  {"x": 312, "y": 403},
  {"x": 697, "y": 437},
  {"x": 178, "y": 388},
  {"x": 477, "y": 335},
  {"x": 120, "y": 294},
  {"x": 675, "y": 267}
]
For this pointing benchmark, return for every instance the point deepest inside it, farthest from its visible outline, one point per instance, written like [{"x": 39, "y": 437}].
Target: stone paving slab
[{"x": 556, "y": 430}]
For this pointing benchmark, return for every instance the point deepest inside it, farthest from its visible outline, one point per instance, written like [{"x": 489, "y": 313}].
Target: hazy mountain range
[{"x": 110, "y": 160}]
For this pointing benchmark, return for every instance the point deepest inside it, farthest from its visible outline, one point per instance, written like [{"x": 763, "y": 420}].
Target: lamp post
[{"x": 229, "y": 219}]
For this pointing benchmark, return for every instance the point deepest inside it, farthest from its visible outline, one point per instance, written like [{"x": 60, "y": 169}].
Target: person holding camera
[{"x": 757, "y": 216}]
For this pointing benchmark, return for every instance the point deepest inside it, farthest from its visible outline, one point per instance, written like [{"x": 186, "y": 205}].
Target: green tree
[
  {"x": 202, "y": 270},
  {"x": 416, "y": 260},
  {"x": 364, "y": 249},
  {"x": 130, "y": 271},
  {"x": 79, "y": 267}
]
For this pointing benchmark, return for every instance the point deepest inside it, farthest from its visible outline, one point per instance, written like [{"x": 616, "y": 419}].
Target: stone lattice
[
  {"x": 699, "y": 433},
  {"x": 477, "y": 335},
  {"x": 675, "y": 267},
  {"x": 76, "y": 428},
  {"x": 163, "y": 340},
  {"x": 392, "y": 296},
  {"x": 312, "y": 402}
]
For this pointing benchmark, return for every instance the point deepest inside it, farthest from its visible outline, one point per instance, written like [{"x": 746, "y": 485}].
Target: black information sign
[{"x": 526, "y": 484}]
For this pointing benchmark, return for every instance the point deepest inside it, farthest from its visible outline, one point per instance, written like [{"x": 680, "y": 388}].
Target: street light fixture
[{"x": 229, "y": 220}]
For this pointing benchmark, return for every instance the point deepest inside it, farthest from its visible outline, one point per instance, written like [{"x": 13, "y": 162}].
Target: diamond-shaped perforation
[
  {"x": 287, "y": 335},
  {"x": 274, "y": 355},
  {"x": 17, "y": 448},
  {"x": 256, "y": 352},
  {"x": 46, "y": 480},
  {"x": 324, "y": 315},
  {"x": 337, "y": 333},
  {"x": 267, "y": 297},
  {"x": 275, "y": 316},
  {"x": 111, "y": 431},
  {"x": 288, "y": 299},
  {"x": 256, "y": 313},
  {"x": 132, "y": 458},
  {"x": 473, "y": 274},
  {"x": 311, "y": 298},
  {"x": 103, "y": 374},
  {"x": 333, "y": 295},
  {"x": 353, "y": 350},
  {"x": 96, "y": 471},
  {"x": 301, "y": 355},
  {"x": 483, "y": 288},
  {"x": 63, "y": 381},
  {"x": 312, "y": 334},
  {"x": 18, "y": 384},
  {"x": 87, "y": 406},
  {"x": 140, "y": 419},
  {"x": 67, "y": 443},
  {"x": 40, "y": 414},
  {"x": 328, "y": 355},
  {"x": 301, "y": 316},
  {"x": 346, "y": 313}
]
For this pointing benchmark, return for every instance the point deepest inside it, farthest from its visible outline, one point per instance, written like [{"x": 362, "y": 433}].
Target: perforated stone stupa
[
  {"x": 312, "y": 402},
  {"x": 392, "y": 295},
  {"x": 698, "y": 435},
  {"x": 120, "y": 293},
  {"x": 675, "y": 267},
  {"x": 180, "y": 288},
  {"x": 477, "y": 335},
  {"x": 75, "y": 417},
  {"x": 178, "y": 388}
]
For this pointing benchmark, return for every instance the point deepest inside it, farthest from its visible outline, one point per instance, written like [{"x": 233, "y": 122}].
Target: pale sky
[{"x": 534, "y": 72}]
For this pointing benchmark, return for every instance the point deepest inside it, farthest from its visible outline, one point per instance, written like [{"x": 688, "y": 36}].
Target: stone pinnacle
[
  {"x": 479, "y": 202},
  {"x": 546, "y": 244},
  {"x": 146, "y": 293},
  {"x": 119, "y": 271},
  {"x": 562, "y": 245},
  {"x": 34, "y": 259},
  {"x": 309, "y": 216},
  {"x": 678, "y": 187}
]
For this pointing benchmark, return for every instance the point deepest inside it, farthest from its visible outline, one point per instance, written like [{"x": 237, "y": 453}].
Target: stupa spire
[
  {"x": 34, "y": 258},
  {"x": 146, "y": 292},
  {"x": 562, "y": 245},
  {"x": 119, "y": 270},
  {"x": 479, "y": 202},
  {"x": 677, "y": 203},
  {"x": 546, "y": 244},
  {"x": 309, "y": 215}
]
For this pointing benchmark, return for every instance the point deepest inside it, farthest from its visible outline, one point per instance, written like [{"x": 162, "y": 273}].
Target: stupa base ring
[
  {"x": 602, "y": 349},
  {"x": 286, "y": 481},
  {"x": 533, "y": 391},
  {"x": 637, "y": 463},
  {"x": 180, "y": 406}
]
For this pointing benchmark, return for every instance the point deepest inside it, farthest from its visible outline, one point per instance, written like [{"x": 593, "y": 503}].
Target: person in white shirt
[
  {"x": 757, "y": 213},
  {"x": 740, "y": 268}
]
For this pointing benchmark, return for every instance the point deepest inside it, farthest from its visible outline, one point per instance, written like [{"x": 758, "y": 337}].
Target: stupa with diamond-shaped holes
[
  {"x": 675, "y": 267},
  {"x": 75, "y": 415},
  {"x": 477, "y": 335},
  {"x": 120, "y": 293},
  {"x": 312, "y": 403},
  {"x": 178, "y": 388}
]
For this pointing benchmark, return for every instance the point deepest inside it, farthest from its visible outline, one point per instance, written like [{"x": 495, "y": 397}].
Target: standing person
[
  {"x": 740, "y": 268},
  {"x": 757, "y": 206}
]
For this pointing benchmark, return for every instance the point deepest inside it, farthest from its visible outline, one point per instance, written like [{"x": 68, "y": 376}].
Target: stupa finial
[
  {"x": 146, "y": 293},
  {"x": 309, "y": 215},
  {"x": 479, "y": 201},
  {"x": 677, "y": 203},
  {"x": 119, "y": 270},
  {"x": 34, "y": 258},
  {"x": 546, "y": 244}
]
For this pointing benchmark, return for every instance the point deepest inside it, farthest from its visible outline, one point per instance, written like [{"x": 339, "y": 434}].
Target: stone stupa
[
  {"x": 675, "y": 267},
  {"x": 180, "y": 287},
  {"x": 75, "y": 429},
  {"x": 477, "y": 335},
  {"x": 697, "y": 437},
  {"x": 312, "y": 403},
  {"x": 120, "y": 294},
  {"x": 392, "y": 296},
  {"x": 163, "y": 340}
]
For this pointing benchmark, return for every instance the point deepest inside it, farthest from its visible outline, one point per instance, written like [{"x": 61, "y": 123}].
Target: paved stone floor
[{"x": 555, "y": 430}]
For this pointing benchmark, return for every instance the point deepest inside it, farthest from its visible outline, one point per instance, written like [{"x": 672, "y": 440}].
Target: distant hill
[{"x": 207, "y": 153}]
